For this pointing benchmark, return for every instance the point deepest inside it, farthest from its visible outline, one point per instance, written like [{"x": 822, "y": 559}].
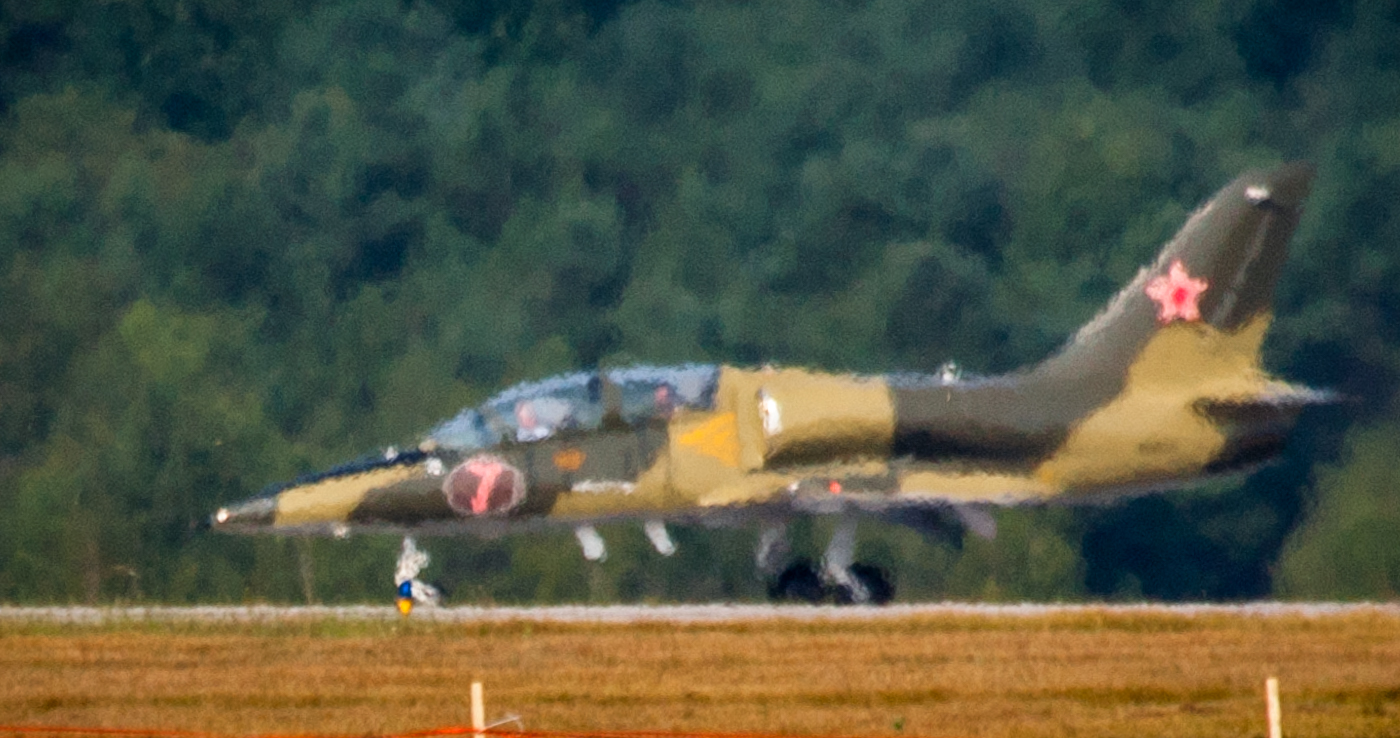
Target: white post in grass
[
  {"x": 478, "y": 710},
  {"x": 1275, "y": 712}
]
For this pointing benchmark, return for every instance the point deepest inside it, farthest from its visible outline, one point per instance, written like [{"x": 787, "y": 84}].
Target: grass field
[{"x": 1080, "y": 674}]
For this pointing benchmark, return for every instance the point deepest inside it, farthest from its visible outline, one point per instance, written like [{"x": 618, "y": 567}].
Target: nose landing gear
[{"x": 412, "y": 560}]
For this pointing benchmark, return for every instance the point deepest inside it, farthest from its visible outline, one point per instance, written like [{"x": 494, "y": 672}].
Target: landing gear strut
[{"x": 413, "y": 560}]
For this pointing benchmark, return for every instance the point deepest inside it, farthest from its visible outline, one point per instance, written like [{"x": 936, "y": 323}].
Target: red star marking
[{"x": 1177, "y": 294}]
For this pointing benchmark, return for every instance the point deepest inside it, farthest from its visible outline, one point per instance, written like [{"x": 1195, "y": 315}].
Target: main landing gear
[
  {"x": 802, "y": 582},
  {"x": 838, "y": 579}
]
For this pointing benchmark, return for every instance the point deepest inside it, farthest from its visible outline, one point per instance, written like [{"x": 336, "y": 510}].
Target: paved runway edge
[{"x": 624, "y": 614}]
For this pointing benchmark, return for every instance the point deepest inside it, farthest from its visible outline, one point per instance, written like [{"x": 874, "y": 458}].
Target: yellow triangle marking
[{"x": 717, "y": 437}]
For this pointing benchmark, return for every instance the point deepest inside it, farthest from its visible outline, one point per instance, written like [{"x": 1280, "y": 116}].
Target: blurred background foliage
[{"x": 239, "y": 241}]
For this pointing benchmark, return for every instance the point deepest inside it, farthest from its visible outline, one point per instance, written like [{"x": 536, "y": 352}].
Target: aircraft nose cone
[{"x": 255, "y": 513}]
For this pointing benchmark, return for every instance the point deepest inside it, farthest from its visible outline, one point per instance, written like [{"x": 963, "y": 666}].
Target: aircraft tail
[
  {"x": 1167, "y": 383},
  {"x": 1164, "y": 382},
  {"x": 1218, "y": 272}
]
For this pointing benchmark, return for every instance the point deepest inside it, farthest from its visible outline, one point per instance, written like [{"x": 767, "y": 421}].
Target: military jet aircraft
[{"x": 1163, "y": 388}]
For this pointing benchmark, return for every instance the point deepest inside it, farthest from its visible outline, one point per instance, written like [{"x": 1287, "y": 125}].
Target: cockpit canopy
[{"x": 533, "y": 411}]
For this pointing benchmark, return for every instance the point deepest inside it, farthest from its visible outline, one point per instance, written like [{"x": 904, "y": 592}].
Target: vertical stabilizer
[
  {"x": 1187, "y": 328},
  {"x": 1219, "y": 270}
]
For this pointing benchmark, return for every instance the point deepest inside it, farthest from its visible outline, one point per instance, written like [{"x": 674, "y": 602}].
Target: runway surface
[{"x": 682, "y": 614}]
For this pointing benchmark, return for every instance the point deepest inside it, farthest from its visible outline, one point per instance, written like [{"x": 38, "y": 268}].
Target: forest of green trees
[{"x": 241, "y": 241}]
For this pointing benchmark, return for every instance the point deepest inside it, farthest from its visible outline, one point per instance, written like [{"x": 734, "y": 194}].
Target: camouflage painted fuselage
[{"x": 1163, "y": 388}]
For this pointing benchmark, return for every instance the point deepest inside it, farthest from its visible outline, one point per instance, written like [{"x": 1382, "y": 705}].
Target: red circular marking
[{"x": 483, "y": 484}]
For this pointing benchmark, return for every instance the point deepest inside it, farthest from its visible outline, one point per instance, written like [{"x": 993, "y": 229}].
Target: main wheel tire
[
  {"x": 799, "y": 582},
  {"x": 877, "y": 586}
]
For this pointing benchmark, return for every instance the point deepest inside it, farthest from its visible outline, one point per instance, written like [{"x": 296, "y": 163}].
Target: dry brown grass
[{"x": 1054, "y": 675}]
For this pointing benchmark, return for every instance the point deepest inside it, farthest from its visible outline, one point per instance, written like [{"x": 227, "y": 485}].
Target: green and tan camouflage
[{"x": 1162, "y": 389}]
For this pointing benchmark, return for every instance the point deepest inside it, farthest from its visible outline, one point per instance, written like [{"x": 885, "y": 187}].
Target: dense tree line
[{"x": 242, "y": 241}]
